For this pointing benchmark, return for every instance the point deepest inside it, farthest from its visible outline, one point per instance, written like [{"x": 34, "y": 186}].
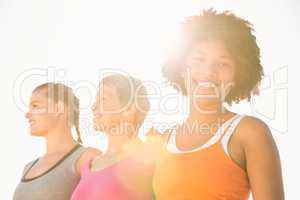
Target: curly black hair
[{"x": 237, "y": 36}]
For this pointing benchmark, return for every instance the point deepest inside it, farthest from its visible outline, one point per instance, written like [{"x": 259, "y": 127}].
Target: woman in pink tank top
[{"x": 124, "y": 171}]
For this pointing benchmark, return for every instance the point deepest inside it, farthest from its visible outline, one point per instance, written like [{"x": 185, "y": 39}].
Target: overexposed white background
[{"x": 72, "y": 41}]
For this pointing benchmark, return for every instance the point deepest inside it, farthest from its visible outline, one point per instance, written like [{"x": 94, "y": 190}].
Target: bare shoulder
[
  {"x": 252, "y": 122},
  {"x": 87, "y": 156},
  {"x": 262, "y": 159},
  {"x": 153, "y": 135},
  {"x": 92, "y": 151},
  {"x": 254, "y": 132}
]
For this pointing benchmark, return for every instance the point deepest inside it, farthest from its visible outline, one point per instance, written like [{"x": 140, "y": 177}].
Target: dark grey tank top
[{"x": 57, "y": 183}]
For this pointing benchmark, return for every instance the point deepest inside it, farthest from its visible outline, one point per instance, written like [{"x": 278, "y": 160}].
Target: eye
[
  {"x": 223, "y": 65},
  {"x": 104, "y": 98},
  {"x": 34, "y": 106},
  {"x": 199, "y": 59},
  {"x": 37, "y": 108}
]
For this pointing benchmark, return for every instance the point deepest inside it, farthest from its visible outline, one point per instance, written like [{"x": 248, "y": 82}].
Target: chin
[
  {"x": 36, "y": 133},
  {"x": 98, "y": 127},
  {"x": 207, "y": 104},
  {"x": 206, "y": 99}
]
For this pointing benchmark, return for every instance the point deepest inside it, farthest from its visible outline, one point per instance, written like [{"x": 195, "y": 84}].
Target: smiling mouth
[
  {"x": 31, "y": 122},
  {"x": 206, "y": 83},
  {"x": 97, "y": 117}
]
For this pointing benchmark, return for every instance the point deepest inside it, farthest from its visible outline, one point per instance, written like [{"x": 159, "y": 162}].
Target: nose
[
  {"x": 212, "y": 69},
  {"x": 27, "y": 115},
  {"x": 207, "y": 68},
  {"x": 207, "y": 73},
  {"x": 210, "y": 75},
  {"x": 94, "y": 107}
]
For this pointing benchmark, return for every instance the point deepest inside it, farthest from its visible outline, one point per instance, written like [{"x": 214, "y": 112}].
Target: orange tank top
[{"x": 208, "y": 173}]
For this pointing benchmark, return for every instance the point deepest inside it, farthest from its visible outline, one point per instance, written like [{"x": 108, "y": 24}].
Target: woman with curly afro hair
[{"x": 215, "y": 153}]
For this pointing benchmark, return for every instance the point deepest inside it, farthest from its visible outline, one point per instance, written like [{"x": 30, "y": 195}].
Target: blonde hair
[
  {"x": 60, "y": 92},
  {"x": 130, "y": 91}
]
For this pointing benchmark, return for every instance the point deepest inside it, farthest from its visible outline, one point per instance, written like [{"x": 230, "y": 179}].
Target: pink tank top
[{"x": 128, "y": 179}]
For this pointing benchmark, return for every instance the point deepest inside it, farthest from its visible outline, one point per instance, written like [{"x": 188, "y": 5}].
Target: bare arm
[
  {"x": 262, "y": 161},
  {"x": 87, "y": 156}
]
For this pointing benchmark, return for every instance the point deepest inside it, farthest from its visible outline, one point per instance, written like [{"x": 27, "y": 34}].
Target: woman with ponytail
[
  {"x": 53, "y": 112},
  {"x": 124, "y": 171}
]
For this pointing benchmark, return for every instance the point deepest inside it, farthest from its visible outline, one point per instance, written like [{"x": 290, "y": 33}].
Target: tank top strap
[
  {"x": 224, "y": 139},
  {"x": 28, "y": 166},
  {"x": 171, "y": 142},
  {"x": 85, "y": 169},
  {"x": 74, "y": 156},
  {"x": 230, "y": 129}
]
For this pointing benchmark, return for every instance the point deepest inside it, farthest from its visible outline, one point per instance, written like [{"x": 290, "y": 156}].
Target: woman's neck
[
  {"x": 59, "y": 141},
  {"x": 120, "y": 144},
  {"x": 116, "y": 145},
  {"x": 207, "y": 113}
]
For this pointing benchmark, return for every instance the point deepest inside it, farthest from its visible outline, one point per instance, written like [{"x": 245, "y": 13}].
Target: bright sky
[{"x": 72, "y": 41}]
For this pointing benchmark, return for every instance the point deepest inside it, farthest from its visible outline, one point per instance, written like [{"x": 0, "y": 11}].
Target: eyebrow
[
  {"x": 222, "y": 57},
  {"x": 226, "y": 57},
  {"x": 204, "y": 53},
  {"x": 35, "y": 101}
]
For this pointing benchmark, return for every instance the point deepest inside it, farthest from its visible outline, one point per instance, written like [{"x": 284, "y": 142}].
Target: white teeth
[{"x": 206, "y": 84}]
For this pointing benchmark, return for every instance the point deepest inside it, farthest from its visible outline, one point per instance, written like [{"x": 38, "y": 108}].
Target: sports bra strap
[{"x": 229, "y": 132}]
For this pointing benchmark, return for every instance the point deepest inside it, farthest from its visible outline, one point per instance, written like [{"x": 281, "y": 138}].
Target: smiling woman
[
  {"x": 237, "y": 53},
  {"x": 220, "y": 63}
]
